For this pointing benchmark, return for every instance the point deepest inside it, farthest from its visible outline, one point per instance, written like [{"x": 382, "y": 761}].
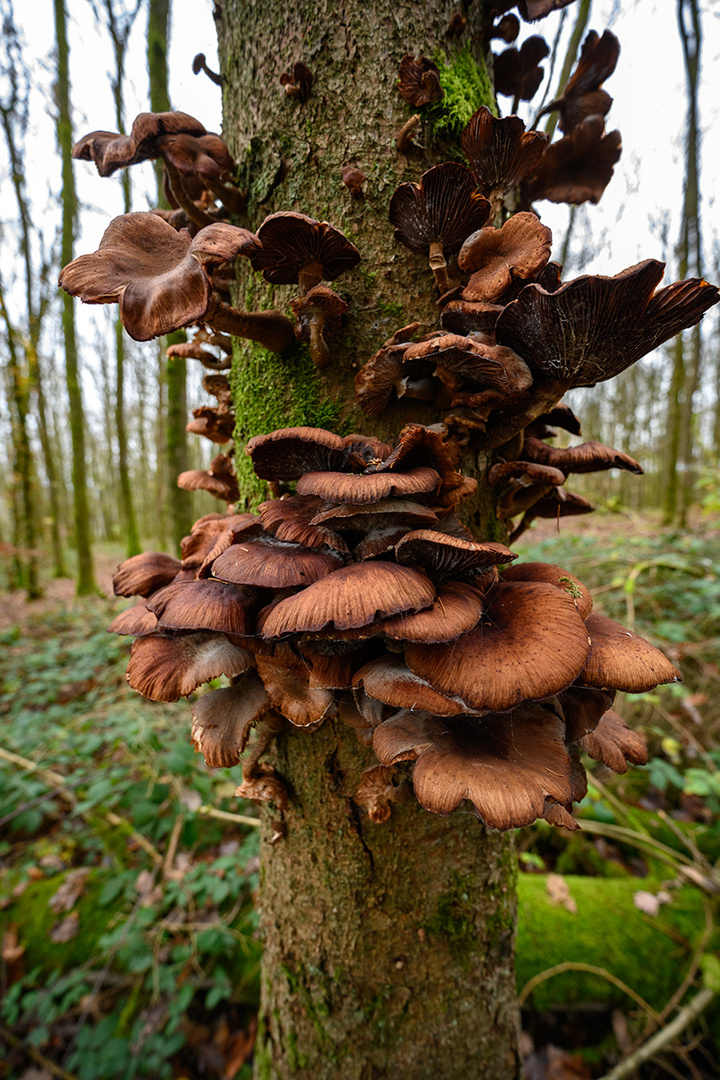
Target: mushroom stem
[
  {"x": 403, "y": 139},
  {"x": 438, "y": 266},
  {"x": 318, "y": 346},
  {"x": 265, "y": 732},
  {"x": 270, "y": 329},
  {"x": 231, "y": 197},
  {"x": 196, "y": 215},
  {"x": 309, "y": 276}
]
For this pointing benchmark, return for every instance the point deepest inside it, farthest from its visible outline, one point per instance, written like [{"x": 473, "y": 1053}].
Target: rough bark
[
  {"x": 388, "y": 947},
  {"x": 179, "y": 502},
  {"x": 86, "y": 577}
]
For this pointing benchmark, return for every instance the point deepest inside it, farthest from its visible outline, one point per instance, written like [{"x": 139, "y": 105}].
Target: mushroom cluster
[{"x": 359, "y": 597}]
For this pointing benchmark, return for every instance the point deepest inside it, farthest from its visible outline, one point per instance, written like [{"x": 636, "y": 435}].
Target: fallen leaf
[
  {"x": 11, "y": 950},
  {"x": 559, "y": 893},
  {"x": 65, "y": 930},
  {"x": 71, "y": 889}
]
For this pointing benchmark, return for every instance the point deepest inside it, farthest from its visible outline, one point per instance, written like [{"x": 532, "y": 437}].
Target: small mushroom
[
  {"x": 501, "y": 153},
  {"x": 318, "y": 313},
  {"x": 296, "y": 248},
  {"x": 298, "y": 82},
  {"x": 200, "y": 64},
  {"x": 419, "y": 82},
  {"x": 353, "y": 179},
  {"x": 494, "y": 257},
  {"x": 518, "y": 73},
  {"x": 578, "y": 167},
  {"x": 582, "y": 95}
]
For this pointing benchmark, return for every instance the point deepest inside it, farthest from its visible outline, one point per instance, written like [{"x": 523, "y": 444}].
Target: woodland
[{"x": 404, "y": 757}]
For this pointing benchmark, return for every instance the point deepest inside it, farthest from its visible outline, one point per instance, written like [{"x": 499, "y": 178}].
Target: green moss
[
  {"x": 271, "y": 392},
  {"x": 467, "y": 86},
  {"x": 455, "y": 917},
  {"x": 389, "y": 308},
  {"x": 608, "y": 931}
]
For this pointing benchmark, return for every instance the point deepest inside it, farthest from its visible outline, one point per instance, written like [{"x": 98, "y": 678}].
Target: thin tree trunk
[
  {"x": 180, "y": 503},
  {"x": 86, "y": 576},
  {"x": 388, "y": 948},
  {"x": 684, "y": 383},
  {"x": 119, "y": 33}
]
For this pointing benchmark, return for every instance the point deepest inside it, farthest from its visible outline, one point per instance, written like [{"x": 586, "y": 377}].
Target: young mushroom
[
  {"x": 298, "y": 249},
  {"x": 318, "y": 313}
]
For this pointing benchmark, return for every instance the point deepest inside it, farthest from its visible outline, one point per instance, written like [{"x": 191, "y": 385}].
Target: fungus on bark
[
  {"x": 501, "y": 153},
  {"x": 298, "y": 82},
  {"x": 582, "y": 95},
  {"x": 419, "y": 82},
  {"x": 578, "y": 167},
  {"x": 295, "y": 248},
  {"x": 494, "y": 257}
]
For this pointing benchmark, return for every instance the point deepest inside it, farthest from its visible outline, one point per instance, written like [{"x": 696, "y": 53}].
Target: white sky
[{"x": 649, "y": 108}]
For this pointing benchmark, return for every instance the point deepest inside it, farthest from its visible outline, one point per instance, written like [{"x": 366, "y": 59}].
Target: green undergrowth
[{"x": 126, "y": 913}]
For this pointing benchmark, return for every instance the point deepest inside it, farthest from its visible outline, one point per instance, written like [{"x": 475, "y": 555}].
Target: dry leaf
[
  {"x": 65, "y": 930},
  {"x": 11, "y": 950},
  {"x": 72, "y": 887},
  {"x": 650, "y": 903},
  {"x": 559, "y": 893}
]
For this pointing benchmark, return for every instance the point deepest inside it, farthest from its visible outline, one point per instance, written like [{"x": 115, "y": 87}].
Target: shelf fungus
[
  {"x": 360, "y": 599},
  {"x": 162, "y": 280}
]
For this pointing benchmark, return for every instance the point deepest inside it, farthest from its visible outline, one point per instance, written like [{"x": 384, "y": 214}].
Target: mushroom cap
[
  {"x": 272, "y": 564},
  {"x": 507, "y": 766},
  {"x": 352, "y": 597},
  {"x": 389, "y": 679},
  {"x": 357, "y": 489},
  {"x": 532, "y": 644},
  {"x": 206, "y": 156},
  {"x": 291, "y": 241},
  {"x": 419, "y": 82},
  {"x": 376, "y": 792},
  {"x": 582, "y": 95},
  {"x": 501, "y": 153},
  {"x": 285, "y": 677},
  {"x": 585, "y": 458},
  {"x": 135, "y": 620},
  {"x": 289, "y": 453},
  {"x": 582, "y": 709},
  {"x": 204, "y": 605},
  {"x": 531, "y": 10},
  {"x": 613, "y": 743},
  {"x": 552, "y": 574},
  {"x": 444, "y": 207},
  {"x": 219, "y": 480},
  {"x": 111, "y": 151},
  {"x": 578, "y": 167},
  {"x": 167, "y": 668},
  {"x": 292, "y": 518},
  {"x": 158, "y": 276},
  {"x": 141, "y": 575},
  {"x": 456, "y": 610},
  {"x": 622, "y": 660},
  {"x": 517, "y": 72},
  {"x": 223, "y": 720},
  {"x": 520, "y": 249},
  {"x": 594, "y": 327},
  {"x": 449, "y": 556}
]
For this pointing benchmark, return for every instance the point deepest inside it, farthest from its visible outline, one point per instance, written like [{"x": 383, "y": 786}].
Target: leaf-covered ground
[{"x": 126, "y": 903}]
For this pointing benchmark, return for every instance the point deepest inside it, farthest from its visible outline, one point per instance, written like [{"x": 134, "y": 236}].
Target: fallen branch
[
  {"x": 662, "y": 1038},
  {"x": 225, "y": 815},
  {"x": 36, "y": 1056},
  {"x": 590, "y": 969}
]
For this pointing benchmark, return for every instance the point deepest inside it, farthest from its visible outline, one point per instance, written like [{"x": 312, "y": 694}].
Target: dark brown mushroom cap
[
  {"x": 456, "y": 610},
  {"x": 531, "y": 644},
  {"x": 585, "y": 458},
  {"x": 273, "y": 564},
  {"x": 443, "y": 208},
  {"x": 354, "y": 596},
  {"x": 358, "y": 489},
  {"x": 419, "y": 82},
  {"x": 555, "y": 575},
  {"x": 555, "y": 504},
  {"x": 622, "y": 660},
  {"x": 204, "y": 155},
  {"x": 353, "y": 179},
  {"x": 321, "y": 300},
  {"x": 111, "y": 151},
  {"x": 524, "y": 473},
  {"x": 291, "y": 518},
  {"x": 531, "y": 10},
  {"x": 291, "y": 241},
  {"x": 563, "y": 417},
  {"x": 449, "y": 556},
  {"x": 519, "y": 249},
  {"x": 582, "y": 95},
  {"x": 219, "y": 479},
  {"x": 205, "y": 605},
  {"x": 330, "y": 664},
  {"x": 223, "y": 720},
  {"x": 506, "y": 766},
  {"x": 463, "y": 317},
  {"x": 192, "y": 350},
  {"x": 206, "y": 532},
  {"x": 154, "y": 273},
  {"x": 289, "y": 453},
  {"x": 376, "y": 380},
  {"x": 613, "y": 743},
  {"x": 517, "y": 72},
  {"x": 501, "y": 153},
  {"x": 487, "y": 365},
  {"x": 168, "y": 668},
  {"x": 143, "y": 574},
  {"x": 285, "y": 677},
  {"x": 593, "y": 328},
  {"x": 388, "y": 679},
  {"x": 298, "y": 83},
  {"x": 578, "y": 167},
  {"x": 214, "y": 423},
  {"x": 135, "y": 620}
]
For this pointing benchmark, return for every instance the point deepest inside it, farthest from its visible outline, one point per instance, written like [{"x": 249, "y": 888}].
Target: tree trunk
[
  {"x": 86, "y": 577},
  {"x": 388, "y": 948},
  {"x": 180, "y": 503}
]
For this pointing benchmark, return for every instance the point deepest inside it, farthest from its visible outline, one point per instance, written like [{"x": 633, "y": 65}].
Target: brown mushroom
[
  {"x": 297, "y": 248},
  {"x": 501, "y": 153},
  {"x": 167, "y": 668},
  {"x": 223, "y": 720},
  {"x": 582, "y": 95},
  {"x": 578, "y": 167},
  {"x": 219, "y": 479},
  {"x": 419, "y": 82},
  {"x": 298, "y": 82},
  {"x": 622, "y": 660},
  {"x": 318, "y": 313},
  {"x": 612, "y": 742},
  {"x": 143, "y": 574},
  {"x": 517, "y": 71},
  {"x": 494, "y": 257},
  {"x": 353, "y": 179}
]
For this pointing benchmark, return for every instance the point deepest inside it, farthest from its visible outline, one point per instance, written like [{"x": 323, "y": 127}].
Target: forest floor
[{"x": 124, "y": 851}]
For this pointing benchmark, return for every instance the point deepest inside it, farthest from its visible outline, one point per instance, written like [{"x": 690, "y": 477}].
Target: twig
[
  {"x": 172, "y": 845},
  {"x": 225, "y": 815},
  {"x": 36, "y": 1056},
  {"x": 710, "y": 880},
  {"x": 591, "y": 969},
  {"x": 662, "y": 1038},
  {"x": 56, "y": 780},
  {"x": 704, "y": 941}
]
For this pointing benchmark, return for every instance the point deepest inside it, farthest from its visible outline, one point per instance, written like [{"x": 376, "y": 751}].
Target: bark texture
[{"x": 388, "y": 948}]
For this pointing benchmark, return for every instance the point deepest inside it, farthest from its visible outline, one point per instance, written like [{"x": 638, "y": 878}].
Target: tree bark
[
  {"x": 388, "y": 948},
  {"x": 86, "y": 576},
  {"x": 179, "y": 502}
]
